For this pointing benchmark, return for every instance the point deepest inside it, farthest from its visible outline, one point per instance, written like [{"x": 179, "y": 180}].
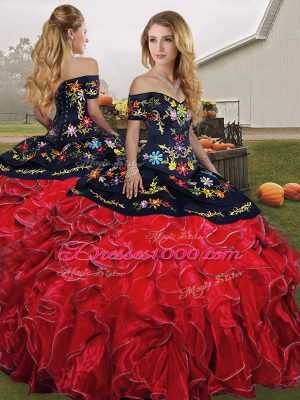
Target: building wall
[{"x": 263, "y": 75}]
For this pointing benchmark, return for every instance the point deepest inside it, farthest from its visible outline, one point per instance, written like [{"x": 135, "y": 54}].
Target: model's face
[
  {"x": 162, "y": 44},
  {"x": 79, "y": 39}
]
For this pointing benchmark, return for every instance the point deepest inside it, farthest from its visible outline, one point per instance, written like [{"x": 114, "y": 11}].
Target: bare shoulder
[
  {"x": 88, "y": 64},
  {"x": 79, "y": 66},
  {"x": 141, "y": 84}
]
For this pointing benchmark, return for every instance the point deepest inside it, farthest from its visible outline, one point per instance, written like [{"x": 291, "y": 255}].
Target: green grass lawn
[
  {"x": 17, "y": 130},
  {"x": 274, "y": 161},
  {"x": 5, "y": 146}
]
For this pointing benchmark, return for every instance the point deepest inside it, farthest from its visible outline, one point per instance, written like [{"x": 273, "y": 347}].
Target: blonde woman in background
[
  {"x": 138, "y": 294},
  {"x": 41, "y": 168}
]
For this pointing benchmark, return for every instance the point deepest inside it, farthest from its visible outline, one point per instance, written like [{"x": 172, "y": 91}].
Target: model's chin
[{"x": 161, "y": 61}]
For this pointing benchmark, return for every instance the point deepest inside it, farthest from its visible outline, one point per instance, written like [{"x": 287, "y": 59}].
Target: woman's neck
[{"x": 166, "y": 71}]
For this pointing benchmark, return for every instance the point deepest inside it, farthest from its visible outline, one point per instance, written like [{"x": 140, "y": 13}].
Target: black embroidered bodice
[
  {"x": 168, "y": 123},
  {"x": 174, "y": 182},
  {"x": 72, "y": 121},
  {"x": 70, "y": 143}
]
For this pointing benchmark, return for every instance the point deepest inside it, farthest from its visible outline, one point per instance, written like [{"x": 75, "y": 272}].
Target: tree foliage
[{"x": 15, "y": 66}]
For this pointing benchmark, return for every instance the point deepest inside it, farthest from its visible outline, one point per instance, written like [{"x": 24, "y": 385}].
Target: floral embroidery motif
[
  {"x": 98, "y": 196},
  {"x": 76, "y": 93},
  {"x": 113, "y": 176},
  {"x": 31, "y": 171},
  {"x": 52, "y": 132},
  {"x": 36, "y": 171},
  {"x": 182, "y": 168},
  {"x": 73, "y": 93},
  {"x": 238, "y": 210},
  {"x": 23, "y": 152},
  {"x": 208, "y": 214},
  {"x": 218, "y": 191},
  {"x": 206, "y": 181},
  {"x": 178, "y": 156},
  {"x": 74, "y": 87},
  {"x": 92, "y": 88},
  {"x": 70, "y": 170},
  {"x": 76, "y": 150},
  {"x": 145, "y": 109},
  {"x": 152, "y": 203},
  {"x": 86, "y": 122},
  {"x": 135, "y": 109},
  {"x": 155, "y": 157},
  {"x": 3, "y": 168},
  {"x": 95, "y": 144},
  {"x": 153, "y": 188},
  {"x": 113, "y": 202}
]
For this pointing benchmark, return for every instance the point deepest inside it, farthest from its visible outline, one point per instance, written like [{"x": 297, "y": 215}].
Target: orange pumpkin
[
  {"x": 209, "y": 150},
  {"x": 292, "y": 191},
  {"x": 211, "y": 114},
  {"x": 105, "y": 100},
  {"x": 218, "y": 146},
  {"x": 271, "y": 193},
  {"x": 230, "y": 145},
  {"x": 206, "y": 143}
]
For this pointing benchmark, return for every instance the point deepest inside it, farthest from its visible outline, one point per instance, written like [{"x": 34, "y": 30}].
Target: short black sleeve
[
  {"x": 92, "y": 86},
  {"x": 137, "y": 107}
]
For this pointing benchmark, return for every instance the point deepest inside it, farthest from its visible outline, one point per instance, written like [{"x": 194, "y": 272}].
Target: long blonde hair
[
  {"x": 51, "y": 52},
  {"x": 185, "y": 65}
]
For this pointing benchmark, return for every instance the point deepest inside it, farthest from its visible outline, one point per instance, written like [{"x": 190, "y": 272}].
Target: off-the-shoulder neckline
[
  {"x": 78, "y": 77},
  {"x": 163, "y": 94}
]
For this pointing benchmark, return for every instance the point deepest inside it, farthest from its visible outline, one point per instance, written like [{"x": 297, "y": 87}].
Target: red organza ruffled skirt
[{"x": 99, "y": 305}]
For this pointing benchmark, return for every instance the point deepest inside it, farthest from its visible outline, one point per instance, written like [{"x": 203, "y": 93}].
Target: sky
[{"x": 114, "y": 28}]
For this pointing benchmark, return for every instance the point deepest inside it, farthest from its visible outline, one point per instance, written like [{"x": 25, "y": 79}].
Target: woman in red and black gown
[
  {"x": 155, "y": 277},
  {"x": 51, "y": 164}
]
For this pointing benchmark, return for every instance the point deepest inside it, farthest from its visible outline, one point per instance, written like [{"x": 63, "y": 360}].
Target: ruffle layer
[
  {"x": 93, "y": 328},
  {"x": 21, "y": 206}
]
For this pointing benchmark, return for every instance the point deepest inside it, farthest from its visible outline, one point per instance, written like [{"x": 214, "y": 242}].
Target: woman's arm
[
  {"x": 42, "y": 119},
  {"x": 93, "y": 109},
  {"x": 133, "y": 182},
  {"x": 200, "y": 153},
  {"x": 131, "y": 147},
  {"x": 97, "y": 116},
  {"x": 132, "y": 142}
]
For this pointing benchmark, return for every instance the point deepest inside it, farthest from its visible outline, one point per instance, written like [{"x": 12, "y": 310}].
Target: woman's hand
[{"x": 131, "y": 185}]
